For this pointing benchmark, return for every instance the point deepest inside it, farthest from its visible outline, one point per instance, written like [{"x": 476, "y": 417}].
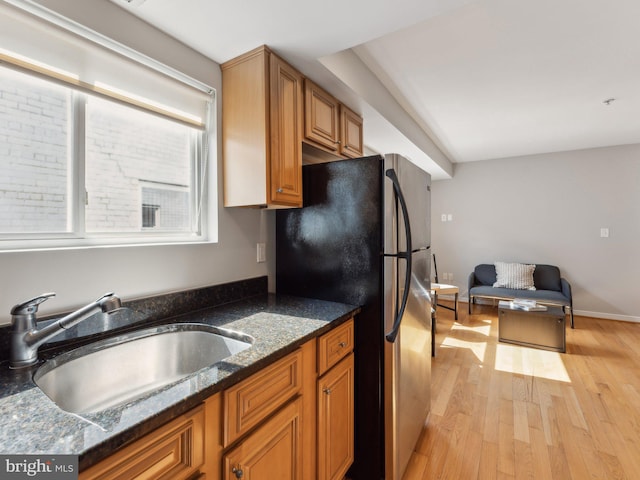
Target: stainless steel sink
[{"x": 114, "y": 371}]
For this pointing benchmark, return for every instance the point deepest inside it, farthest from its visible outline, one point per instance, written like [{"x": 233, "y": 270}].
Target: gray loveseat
[{"x": 551, "y": 288}]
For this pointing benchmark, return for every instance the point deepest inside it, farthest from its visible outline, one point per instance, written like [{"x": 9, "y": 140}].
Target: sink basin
[{"x": 117, "y": 370}]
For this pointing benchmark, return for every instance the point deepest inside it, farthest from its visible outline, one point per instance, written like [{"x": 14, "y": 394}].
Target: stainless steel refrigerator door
[{"x": 407, "y": 361}]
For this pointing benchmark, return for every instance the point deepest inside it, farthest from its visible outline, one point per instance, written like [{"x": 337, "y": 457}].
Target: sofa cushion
[
  {"x": 485, "y": 274},
  {"x": 547, "y": 277},
  {"x": 514, "y": 275},
  {"x": 508, "y": 293}
]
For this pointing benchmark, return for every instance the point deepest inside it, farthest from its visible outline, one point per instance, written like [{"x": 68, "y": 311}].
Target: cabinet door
[
  {"x": 285, "y": 172},
  {"x": 321, "y": 117},
  {"x": 172, "y": 452},
  {"x": 273, "y": 451},
  {"x": 335, "y": 421},
  {"x": 351, "y": 133}
]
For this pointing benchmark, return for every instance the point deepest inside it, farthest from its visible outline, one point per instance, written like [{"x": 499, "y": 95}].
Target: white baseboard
[
  {"x": 583, "y": 313},
  {"x": 608, "y": 316}
]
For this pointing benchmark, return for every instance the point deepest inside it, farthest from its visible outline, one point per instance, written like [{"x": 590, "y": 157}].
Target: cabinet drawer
[
  {"x": 334, "y": 345},
  {"x": 252, "y": 400},
  {"x": 173, "y": 452}
]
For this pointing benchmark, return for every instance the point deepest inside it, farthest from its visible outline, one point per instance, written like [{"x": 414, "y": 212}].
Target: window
[
  {"x": 140, "y": 170},
  {"x": 98, "y": 143}
]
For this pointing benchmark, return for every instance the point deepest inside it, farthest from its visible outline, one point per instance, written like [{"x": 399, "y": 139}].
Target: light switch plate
[{"x": 261, "y": 252}]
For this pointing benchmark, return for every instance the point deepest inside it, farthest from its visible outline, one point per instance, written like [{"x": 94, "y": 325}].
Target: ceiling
[{"x": 444, "y": 81}]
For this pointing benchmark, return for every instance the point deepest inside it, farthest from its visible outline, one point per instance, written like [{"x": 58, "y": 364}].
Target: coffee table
[{"x": 538, "y": 329}]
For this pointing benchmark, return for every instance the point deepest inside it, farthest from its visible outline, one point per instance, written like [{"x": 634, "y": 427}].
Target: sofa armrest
[
  {"x": 566, "y": 290},
  {"x": 472, "y": 281}
]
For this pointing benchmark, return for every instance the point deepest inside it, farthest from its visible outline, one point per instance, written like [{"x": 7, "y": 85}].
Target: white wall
[
  {"x": 79, "y": 276},
  {"x": 548, "y": 209}
]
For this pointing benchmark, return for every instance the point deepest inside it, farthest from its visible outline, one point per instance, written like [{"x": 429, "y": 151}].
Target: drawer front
[
  {"x": 252, "y": 400},
  {"x": 335, "y": 345},
  {"x": 175, "y": 451}
]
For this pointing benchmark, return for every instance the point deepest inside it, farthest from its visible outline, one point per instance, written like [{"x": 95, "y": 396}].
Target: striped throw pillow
[{"x": 514, "y": 275}]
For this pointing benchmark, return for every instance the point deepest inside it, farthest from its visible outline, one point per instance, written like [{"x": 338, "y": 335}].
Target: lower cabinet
[
  {"x": 273, "y": 451},
  {"x": 335, "y": 420},
  {"x": 175, "y": 451},
  {"x": 292, "y": 420}
]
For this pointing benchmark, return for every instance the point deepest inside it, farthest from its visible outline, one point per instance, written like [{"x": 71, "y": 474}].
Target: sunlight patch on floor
[
  {"x": 482, "y": 329},
  {"x": 478, "y": 348},
  {"x": 532, "y": 362}
]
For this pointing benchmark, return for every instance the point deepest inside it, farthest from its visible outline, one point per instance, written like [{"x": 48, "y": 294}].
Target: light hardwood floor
[{"x": 507, "y": 412}]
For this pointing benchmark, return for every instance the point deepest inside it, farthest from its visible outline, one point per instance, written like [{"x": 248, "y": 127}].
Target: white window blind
[{"x": 35, "y": 38}]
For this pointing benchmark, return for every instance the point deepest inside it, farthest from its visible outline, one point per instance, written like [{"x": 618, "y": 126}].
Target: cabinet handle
[
  {"x": 279, "y": 190},
  {"x": 342, "y": 344},
  {"x": 327, "y": 391},
  {"x": 338, "y": 142},
  {"x": 237, "y": 470}
]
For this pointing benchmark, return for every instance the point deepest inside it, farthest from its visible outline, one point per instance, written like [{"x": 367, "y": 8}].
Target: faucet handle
[{"x": 31, "y": 306}]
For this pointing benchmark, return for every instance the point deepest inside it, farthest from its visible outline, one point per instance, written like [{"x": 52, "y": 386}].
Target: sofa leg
[{"x": 564, "y": 310}]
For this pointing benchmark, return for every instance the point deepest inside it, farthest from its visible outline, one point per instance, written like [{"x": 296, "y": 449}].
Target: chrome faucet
[{"x": 25, "y": 336}]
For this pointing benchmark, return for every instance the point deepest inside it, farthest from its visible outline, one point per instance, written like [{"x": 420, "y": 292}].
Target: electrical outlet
[
  {"x": 449, "y": 217},
  {"x": 604, "y": 233},
  {"x": 443, "y": 217}
]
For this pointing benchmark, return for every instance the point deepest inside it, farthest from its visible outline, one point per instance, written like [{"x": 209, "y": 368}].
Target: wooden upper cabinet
[
  {"x": 286, "y": 134},
  {"x": 351, "y": 144},
  {"x": 321, "y": 117},
  {"x": 330, "y": 125},
  {"x": 262, "y": 121}
]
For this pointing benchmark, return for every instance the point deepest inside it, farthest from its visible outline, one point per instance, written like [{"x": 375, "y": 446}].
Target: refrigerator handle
[{"x": 406, "y": 255}]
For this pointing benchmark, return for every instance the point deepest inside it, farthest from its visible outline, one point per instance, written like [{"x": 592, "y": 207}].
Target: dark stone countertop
[{"x": 30, "y": 423}]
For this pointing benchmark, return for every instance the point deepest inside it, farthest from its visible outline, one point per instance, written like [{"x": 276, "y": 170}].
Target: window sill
[{"x": 12, "y": 246}]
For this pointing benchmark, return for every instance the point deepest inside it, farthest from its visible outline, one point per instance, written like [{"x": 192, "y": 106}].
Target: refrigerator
[{"x": 362, "y": 238}]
